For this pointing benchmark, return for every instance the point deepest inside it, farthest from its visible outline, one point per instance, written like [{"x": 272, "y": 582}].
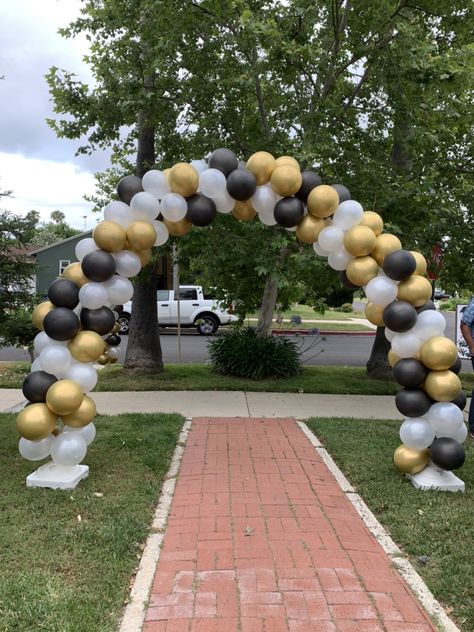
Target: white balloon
[
  {"x": 460, "y": 435},
  {"x": 381, "y": 291},
  {"x": 55, "y": 359},
  {"x": 291, "y": 229},
  {"x": 331, "y": 238},
  {"x": 389, "y": 334},
  {"x": 224, "y": 203},
  {"x": 319, "y": 250},
  {"x": 127, "y": 263},
  {"x": 417, "y": 433},
  {"x": 348, "y": 214},
  {"x": 42, "y": 340},
  {"x": 339, "y": 260},
  {"x": 199, "y": 165},
  {"x": 118, "y": 212},
  {"x": 86, "y": 432},
  {"x": 145, "y": 206},
  {"x": 162, "y": 233},
  {"x": 69, "y": 448},
  {"x": 35, "y": 366},
  {"x": 35, "y": 450},
  {"x": 446, "y": 418},
  {"x": 263, "y": 200},
  {"x": 174, "y": 207},
  {"x": 156, "y": 182},
  {"x": 406, "y": 345},
  {"x": 267, "y": 218},
  {"x": 84, "y": 374},
  {"x": 113, "y": 352},
  {"x": 212, "y": 183},
  {"x": 429, "y": 323},
  {"x": 93, "y": 295},
  {"x": 119, "y": 290},
  {"x": 85, "y": 247}
]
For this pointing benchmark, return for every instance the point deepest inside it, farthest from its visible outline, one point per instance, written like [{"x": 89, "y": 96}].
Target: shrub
[
  {"x": 241, "y": 353},
  {"x": 346, "y": 307}
]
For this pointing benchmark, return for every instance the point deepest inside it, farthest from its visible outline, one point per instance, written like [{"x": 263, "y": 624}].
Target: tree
[{"x": 53, "y": 231}]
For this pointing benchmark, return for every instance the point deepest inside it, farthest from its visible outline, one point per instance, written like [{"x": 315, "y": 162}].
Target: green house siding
[{"x": 49, "y": 261}]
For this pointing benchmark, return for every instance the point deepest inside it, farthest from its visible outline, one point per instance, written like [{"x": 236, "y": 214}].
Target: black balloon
[
  {"x": 457, "y": 366},
  {"x": 399, "y": 316},
  {"x": 128, "y": 187},
  {"x": 399, "y": 265},
  {"x": 289, "y": 211},
  {"x": 63, "y": 293},
  {"x": 310, "y": 180},
  {"x": 412, "y": 402},
  {"x": 241, "y": 184},
  {"x": 114, "y": 340},
  {"x": 345, "y": 281},
  {"x": 447, "y": 453},
  {"x": 224, "y": 160},
  {"x": 61, "y": 323},
  {"x": 428, "y": 305},
  {"x": 409, "y": 372},
  {"x": 98, "y": 266},
  {"x": 36, "y": 384},
  {"x": 460, "y": 400},
  {"x": 343, "y": 192},
  {"x": 100, "y": 320},
  {"x": 201, "y": 210}
]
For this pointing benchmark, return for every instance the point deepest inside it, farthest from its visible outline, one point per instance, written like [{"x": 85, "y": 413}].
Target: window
[
  {"x": 187, "y": 294},
  {"x": 63, "y": 264},
  {"x": 163, "y": 295}
]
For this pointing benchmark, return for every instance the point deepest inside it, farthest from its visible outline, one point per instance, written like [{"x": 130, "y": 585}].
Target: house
[{"x": 53, "y": 259}]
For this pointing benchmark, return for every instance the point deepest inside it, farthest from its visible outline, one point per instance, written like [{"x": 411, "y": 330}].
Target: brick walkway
[{"x": 261, "y": 539}]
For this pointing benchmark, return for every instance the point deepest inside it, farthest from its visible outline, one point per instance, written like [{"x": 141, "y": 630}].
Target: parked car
[
  {"x": 194, "y": 310},
  {"x": 441, "y": 294}
]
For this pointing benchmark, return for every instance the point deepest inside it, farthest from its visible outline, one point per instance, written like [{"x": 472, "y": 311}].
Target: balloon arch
[{"x": 78, "y": 326}]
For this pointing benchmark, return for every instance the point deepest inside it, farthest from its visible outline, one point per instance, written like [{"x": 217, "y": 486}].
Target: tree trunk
[
  {"x": 378, "y": 366},
  {"x": 265, "y": 314}
]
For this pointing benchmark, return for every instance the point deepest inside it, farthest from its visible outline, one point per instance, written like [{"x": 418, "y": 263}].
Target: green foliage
[
  {"x": 57, "y": 229},
  {"x": 17, "y": 330},
  {"x": 240, "y": 352},
  {"x": 346, "y": 308}
]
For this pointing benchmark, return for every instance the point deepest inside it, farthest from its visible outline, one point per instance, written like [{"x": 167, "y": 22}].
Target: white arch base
[
  {"x": 433, "y": 478},
  {"x": 57, "y": 476}
]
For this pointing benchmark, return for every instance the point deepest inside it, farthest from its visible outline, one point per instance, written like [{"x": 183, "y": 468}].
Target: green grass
[
  {"x": 307, "y": 313},
  {"x": 439, "y": 525},
  {"x": 67, "y": 557}
]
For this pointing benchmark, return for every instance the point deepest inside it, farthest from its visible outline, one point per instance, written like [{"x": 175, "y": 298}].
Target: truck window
[
  {"x": 163, "y": 295},
  {"x": 187, "y": 294}
]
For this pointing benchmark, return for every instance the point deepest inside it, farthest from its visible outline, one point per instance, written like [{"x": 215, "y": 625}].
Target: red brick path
[{"x": 261, "y": 539}]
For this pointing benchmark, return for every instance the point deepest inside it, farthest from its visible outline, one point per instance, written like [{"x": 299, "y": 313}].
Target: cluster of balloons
[{"x": 79, "y": 325}]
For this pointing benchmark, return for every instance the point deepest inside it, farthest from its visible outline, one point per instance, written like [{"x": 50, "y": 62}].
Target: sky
[{"x": 41, "y": 169}]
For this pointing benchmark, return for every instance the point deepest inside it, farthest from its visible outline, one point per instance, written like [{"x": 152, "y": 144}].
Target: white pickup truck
[{"x": 194, "y": 311}]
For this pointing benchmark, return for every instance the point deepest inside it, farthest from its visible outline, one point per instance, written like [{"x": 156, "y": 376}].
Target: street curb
[
  {"x": 398, "y": 558},
  {"x": 311, "y": 332}
]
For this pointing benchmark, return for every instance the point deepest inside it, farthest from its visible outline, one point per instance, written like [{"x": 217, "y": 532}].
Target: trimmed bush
[{"x": 241, "y": 353}]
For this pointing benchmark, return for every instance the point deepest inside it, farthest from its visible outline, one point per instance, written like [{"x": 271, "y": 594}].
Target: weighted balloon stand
[
  {"x": 57, "y": 476},
  {"x": 434, "y": 478}
]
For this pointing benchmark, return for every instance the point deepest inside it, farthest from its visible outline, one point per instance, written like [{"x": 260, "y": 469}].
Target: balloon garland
[{"x": 78, "y": 325}]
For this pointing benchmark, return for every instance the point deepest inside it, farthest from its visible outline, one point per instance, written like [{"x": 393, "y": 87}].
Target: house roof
[{"x": 87, "y": 233}]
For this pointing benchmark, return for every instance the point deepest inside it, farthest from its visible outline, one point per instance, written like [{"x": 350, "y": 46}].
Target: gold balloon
[
  {"x": 115, "y": 329},
  {"x": 374, "y": 313},
  {"x": 288, "y": 161},
  {"x": 261, "y": 164},
  {"x": 415, "y": 290},
  {"x": 103, "y": 359},
  {"x": 113, "y": 360},
  {"x": 410, "y": 461},
  {"x": 361, "y": 269},
  {"x": 286, "y": 180},
  {"x": 438, "y": 353},
  {"x": 40, "y": 312},
  {"x": 244, "y": 211},
  {"x": 183, "y": 179},
  {"x": 75, "y": 274},
  {"x": 421, "y": 264},
  {"x": 82, "y": 415},
  {"x": 443, "y": 386},
  {"x": 167, "y": 172},
  {"x": 359, "y": 241},
  {"x": 64, "y": 397},
  {"x": 141, "y": 235},
  {"x": 109, "y": 236},
  {"x": 178, "y": 229},
  {"x": 35, "y": 422},
  {"x": 392, "y": 358},
  {"x": 373, "y": 221},
  {"x": 309, "y": 228},
  {"x": 144, "y": 255},
  {"x": 87, "y": 346},
  {"x": 384, "y": 245},
  {"x": 323, "y": 200}
]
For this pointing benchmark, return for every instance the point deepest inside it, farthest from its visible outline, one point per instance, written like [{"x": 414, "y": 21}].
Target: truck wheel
[
  {"x": 124, "y": 322},
  {"x": 207, "y": 325}
]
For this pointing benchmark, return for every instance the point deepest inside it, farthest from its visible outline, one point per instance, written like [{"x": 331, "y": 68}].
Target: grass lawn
[
  {"x": 307, "y": 313},
  {"x": 67, "y": 557},
  {"x": 323, "y": 326},
  {"x": 436, "y": 524}
]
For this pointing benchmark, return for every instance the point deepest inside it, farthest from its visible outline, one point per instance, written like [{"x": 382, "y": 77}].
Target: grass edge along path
[
  {"x": 67, "y": 557},
  {"x": 437, "y": 525}
]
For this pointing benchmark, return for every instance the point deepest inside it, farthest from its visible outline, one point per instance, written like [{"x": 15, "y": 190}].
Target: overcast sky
[{"x": 41, "y": 169}]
